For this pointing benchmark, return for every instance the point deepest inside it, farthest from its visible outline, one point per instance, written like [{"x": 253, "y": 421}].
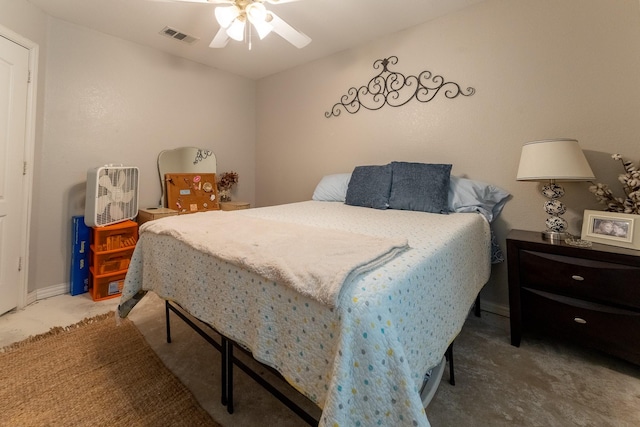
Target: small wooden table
[
  {"x": 234, "y": 206},
  {"x": 149, "y": 214}
]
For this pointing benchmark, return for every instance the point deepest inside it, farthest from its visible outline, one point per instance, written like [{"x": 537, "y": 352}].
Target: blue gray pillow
[
  {"x": 420, "y": 187},
  {"x": 369, "y": 187}
]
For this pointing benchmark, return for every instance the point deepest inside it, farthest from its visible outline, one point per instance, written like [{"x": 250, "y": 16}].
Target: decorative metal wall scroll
[
  {"x": 201, "y": 155},
  {"x": 395, "y": 89}
]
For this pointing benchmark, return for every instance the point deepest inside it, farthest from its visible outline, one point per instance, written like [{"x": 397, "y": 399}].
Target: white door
[{"x": 14, "y": 73}]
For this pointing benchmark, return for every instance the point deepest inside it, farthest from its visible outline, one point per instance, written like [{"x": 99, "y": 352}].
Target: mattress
[{"x": 362, "y": 361}]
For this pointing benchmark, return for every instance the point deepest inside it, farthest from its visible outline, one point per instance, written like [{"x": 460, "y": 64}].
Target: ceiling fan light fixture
[
  {"x": 257, "y": 15},
  {"x": 236, "y": 29},
  {"x": 256, "y": 12},
  {"x": 234, "y": 18},
  {"x": 226, "y": 15},
  {"x": 263, "y": 29}
]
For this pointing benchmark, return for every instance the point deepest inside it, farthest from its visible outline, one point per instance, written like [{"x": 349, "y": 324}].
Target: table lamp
[{"x": 554, "y": 160}]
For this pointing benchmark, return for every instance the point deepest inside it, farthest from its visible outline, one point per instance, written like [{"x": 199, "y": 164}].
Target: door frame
[{"x": 29, "y": 148}]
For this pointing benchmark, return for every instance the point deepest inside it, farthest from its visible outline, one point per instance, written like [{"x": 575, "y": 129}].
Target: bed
[{"x": 361, "y": 354}]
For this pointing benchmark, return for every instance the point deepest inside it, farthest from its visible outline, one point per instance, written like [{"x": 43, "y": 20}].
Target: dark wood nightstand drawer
[
  {"x": 581, "y": 278},
  {"x": 587, "y": 295},
  {"x": 614, "y": 330}
]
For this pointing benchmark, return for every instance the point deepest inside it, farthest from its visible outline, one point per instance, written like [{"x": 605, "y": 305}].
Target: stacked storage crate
[{"x": 111, "y": 250}]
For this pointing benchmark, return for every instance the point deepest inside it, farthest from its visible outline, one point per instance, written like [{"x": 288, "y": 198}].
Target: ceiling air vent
[{"x": 175, "y": 34}]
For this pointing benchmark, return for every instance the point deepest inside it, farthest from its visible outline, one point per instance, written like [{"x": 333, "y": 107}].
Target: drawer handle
[
  {"x": 578, "y": 278},
  {"x": 579, "y": 320}
]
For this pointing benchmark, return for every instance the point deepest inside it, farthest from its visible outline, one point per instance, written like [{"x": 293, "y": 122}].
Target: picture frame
[{"x": 612, "y": 228}]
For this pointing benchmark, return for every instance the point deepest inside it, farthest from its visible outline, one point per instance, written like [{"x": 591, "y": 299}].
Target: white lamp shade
[{"x": 553, "y": 159}]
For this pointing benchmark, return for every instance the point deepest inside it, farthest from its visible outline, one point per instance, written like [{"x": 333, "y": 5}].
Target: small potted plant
[{"x": 225, "y": 184}]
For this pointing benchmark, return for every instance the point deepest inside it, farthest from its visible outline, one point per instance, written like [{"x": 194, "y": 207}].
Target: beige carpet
[
  {"x": 543, "y": 383},
  {"x": 93, "y": 373}
]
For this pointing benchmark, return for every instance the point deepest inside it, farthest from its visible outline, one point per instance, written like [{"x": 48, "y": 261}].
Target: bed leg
[
  {"x": 449, "y": 356},
  {"x": 167, "y": 321},
  {"x": 227, "y": 368},
  {"x": 476, "y": 308},
  {"x": 223, "y": 370}
]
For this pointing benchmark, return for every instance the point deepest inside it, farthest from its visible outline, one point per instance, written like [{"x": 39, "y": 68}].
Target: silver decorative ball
[
  {"x": 552, "y": 191},
  {"x": 555, "y": 207},
  {"x": 557, "y": 224}
]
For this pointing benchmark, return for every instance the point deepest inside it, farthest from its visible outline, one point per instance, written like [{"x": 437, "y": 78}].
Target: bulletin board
[{"x": 191, "y": 192}]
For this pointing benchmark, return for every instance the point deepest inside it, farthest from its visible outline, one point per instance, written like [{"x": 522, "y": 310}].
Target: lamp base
[{"x": 554, "y": 236}]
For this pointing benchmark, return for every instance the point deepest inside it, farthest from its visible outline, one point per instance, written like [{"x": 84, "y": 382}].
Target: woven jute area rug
[{"x": 94, "y": 373}]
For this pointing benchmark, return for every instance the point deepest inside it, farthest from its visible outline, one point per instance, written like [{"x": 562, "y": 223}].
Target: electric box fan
[{"x": 112, "y": 195}]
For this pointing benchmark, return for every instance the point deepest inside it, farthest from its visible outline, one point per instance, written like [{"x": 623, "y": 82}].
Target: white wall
[
  {"x": 112, "y": 101},
  {"x": 541, "y": 68}
]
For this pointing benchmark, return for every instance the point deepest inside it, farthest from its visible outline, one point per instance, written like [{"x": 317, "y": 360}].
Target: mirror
[{"x": 184, "y": 160}]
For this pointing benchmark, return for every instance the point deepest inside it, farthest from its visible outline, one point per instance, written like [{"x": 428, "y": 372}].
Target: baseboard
[
  {"x": 500, "y": 310},
  {"x": 48, "y": 292}
]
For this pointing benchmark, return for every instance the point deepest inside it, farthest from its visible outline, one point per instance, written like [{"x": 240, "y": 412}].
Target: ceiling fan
[{"x": 234, "y": 17}]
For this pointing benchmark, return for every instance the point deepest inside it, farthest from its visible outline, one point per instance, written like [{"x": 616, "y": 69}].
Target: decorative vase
[{"x": 225, "y": 195}]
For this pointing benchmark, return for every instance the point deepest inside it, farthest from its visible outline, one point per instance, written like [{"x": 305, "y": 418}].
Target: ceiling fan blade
[
  {"x": 287, "y": 32},
  {"x": 221, "y": 39}
]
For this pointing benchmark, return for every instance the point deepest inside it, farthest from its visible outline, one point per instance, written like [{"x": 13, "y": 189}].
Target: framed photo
[{"x": 612, "y": 228}]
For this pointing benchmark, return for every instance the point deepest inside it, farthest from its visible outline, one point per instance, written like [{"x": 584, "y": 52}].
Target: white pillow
[
  {"x": 332, "y": 188},
  {"x": 466, "y": 195}
]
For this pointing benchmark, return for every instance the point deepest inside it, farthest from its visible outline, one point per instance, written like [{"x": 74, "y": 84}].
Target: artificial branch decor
[
  {"x": 395, "y": 89},
  {"x": 630, "y": 181}
]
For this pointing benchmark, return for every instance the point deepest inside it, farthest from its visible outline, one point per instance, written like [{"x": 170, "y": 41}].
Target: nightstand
[
  {"x": 234, "y": 206},
  {"x": 590, "y": 296},
  {"x": 149, "y": 214}
]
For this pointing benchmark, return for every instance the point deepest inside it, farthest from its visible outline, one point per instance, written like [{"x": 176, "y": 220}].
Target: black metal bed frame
[{"x": 226, "y": 345}]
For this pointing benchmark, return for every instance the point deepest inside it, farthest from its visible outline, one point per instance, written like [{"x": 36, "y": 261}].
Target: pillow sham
[
  {"x": 466, "y": 195},
  {"x": 420, "y": 186},
  {"x": 369, "y": 187},
  {"x": 332, "y": 188}
]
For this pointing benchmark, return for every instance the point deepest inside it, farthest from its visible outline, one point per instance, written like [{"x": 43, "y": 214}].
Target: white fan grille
[{"x": 112, "y": 195}]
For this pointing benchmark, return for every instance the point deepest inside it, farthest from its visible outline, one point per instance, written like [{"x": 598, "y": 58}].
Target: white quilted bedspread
[{"x": 363, "y": 361}]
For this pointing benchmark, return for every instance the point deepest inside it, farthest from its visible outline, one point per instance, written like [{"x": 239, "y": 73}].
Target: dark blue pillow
[
  {"x": 369, "y": 187},
  {"x": 420, "y": 187}
]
